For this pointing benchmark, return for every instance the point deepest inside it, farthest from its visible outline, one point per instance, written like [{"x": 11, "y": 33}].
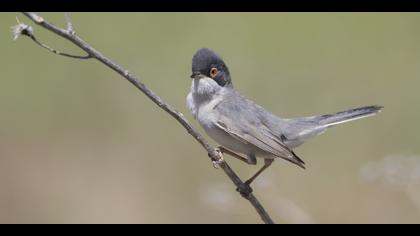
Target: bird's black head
[{"x": 206, "y": 63}]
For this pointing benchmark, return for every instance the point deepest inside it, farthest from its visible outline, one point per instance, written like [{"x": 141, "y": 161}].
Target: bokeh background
[{"x": 79, "y": 144}]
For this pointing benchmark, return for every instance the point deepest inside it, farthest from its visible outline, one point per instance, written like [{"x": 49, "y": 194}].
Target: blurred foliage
[{"x": 78, "y": 144}]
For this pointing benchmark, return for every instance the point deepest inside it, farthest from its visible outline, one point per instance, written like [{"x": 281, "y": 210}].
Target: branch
[
  {"x": 213, "y": 153},
  {"x": 22, "y": 29}
]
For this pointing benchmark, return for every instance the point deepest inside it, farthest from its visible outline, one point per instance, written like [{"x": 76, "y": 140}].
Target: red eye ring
[{"x": 213, "y": 72}]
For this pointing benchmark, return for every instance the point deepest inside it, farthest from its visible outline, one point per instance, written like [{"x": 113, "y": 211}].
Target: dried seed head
[{"x": 21, "y": 29}]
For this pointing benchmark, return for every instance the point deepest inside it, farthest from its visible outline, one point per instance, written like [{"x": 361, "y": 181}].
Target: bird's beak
[{"x": 195, "y": 75}]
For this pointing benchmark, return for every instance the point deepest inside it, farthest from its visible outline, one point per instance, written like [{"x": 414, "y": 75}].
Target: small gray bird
[{"x": 241, "y": 126}]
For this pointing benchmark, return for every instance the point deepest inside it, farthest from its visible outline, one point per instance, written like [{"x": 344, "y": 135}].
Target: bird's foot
[
  {"x": 216, "y": 163},
  {"x": 244, "y": 189}
]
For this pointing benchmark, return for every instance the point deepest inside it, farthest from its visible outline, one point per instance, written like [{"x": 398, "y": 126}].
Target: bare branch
[
  {"x": 23, "y": 29},
  {"x": 56, "y": 51},
  {"x": 215, "y": 156}
]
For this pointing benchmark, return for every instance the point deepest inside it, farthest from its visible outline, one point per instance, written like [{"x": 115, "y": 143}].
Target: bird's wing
[{"x": 245, "y": 124}]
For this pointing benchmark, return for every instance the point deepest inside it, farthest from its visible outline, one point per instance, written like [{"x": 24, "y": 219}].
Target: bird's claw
[
  {"x": 216, "y": 163},
  {"x": 244, "y": 190}
]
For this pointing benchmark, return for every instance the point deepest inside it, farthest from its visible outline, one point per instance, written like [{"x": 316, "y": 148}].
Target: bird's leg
[
  {"x": 267, "y": 163},
  {"x": 224, "y": 150}
]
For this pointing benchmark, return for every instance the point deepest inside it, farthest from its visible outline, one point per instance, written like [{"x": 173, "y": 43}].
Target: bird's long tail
[
  {"x": 346, "y": 116},
  {"x": 301, "y": 129}
]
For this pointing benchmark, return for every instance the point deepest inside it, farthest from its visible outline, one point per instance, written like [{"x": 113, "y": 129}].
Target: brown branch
[{"x": 214, "y": 155}]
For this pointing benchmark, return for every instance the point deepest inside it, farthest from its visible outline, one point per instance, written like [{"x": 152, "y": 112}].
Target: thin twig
[
  {"x": 244, "y": 189},
  {"x": 56, "y": 51},
  {"x": 23, "y": 29},
  {"x": 68, "y": 23}
]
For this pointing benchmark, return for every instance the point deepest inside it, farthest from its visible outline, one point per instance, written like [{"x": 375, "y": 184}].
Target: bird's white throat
[
  {"x": 203, "y": 92},
  {"x": 205, "y": 87}
]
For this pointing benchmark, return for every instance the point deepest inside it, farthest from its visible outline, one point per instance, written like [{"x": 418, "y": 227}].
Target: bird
[{"x": 244, "y": 129}]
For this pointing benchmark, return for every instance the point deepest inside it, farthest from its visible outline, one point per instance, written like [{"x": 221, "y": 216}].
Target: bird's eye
[{"x": 213, "y": 72}]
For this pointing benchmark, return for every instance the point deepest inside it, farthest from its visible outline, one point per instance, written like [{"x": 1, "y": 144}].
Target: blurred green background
[{"x": 79, "y": 144}]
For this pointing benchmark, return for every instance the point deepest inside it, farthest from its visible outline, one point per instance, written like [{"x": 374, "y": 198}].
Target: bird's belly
[
  {"x": 228, "y": 141},
  {"x": 235, "y": 145}
]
